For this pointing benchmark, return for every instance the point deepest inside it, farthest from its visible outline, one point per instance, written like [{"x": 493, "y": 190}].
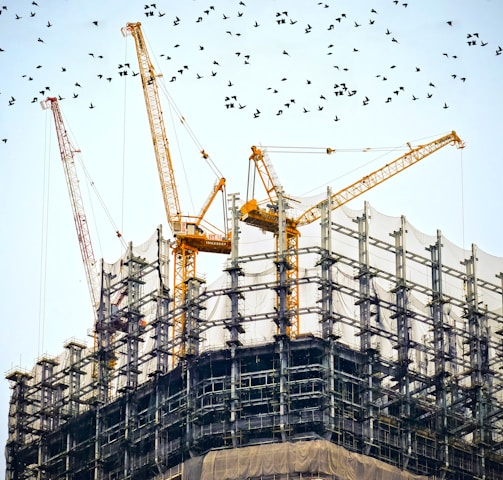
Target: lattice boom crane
[
  {"x": 267, "y": 219},
  {"x": 190, "y": 237},
  {"x": 67, "y": 152}
]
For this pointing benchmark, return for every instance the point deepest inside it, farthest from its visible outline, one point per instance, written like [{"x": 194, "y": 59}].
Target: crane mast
[
  {"x": 67, "y": 152},
  {"x": 267, "y": 219},
  {"x": 190, "y": 236}
]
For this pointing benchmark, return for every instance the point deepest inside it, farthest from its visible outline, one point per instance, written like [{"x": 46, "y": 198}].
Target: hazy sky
[{"x": 339, "y": 74}]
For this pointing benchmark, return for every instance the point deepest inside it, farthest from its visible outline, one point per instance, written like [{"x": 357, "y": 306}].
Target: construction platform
[{"x": 395, "y": 371}]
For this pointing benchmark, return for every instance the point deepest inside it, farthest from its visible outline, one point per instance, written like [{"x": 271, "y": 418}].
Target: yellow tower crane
[
  {"x": 190, "y": 238},
  {"x": 267, "y": 218}
]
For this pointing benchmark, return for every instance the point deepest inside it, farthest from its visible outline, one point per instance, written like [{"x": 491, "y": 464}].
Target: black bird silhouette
[
  {"x": 49, "y": 24},
  {"x": 91, "y": 105},
  {"x": 95, "y": 23}
]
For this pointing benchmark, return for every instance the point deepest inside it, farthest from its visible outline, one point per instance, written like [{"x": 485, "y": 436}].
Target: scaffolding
[{"x": 398, "y": 361}]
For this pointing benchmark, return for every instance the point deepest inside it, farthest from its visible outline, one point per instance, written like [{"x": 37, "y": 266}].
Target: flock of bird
[{"x": 287, "y": 35}]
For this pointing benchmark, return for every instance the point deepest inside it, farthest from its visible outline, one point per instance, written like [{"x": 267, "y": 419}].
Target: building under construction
[
  {"x": 361, "y": 349},
  {"x": 394, "y": 372}
]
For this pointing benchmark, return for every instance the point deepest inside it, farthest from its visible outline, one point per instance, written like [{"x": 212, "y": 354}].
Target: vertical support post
[
  {"x": 103, "y": 361},
  {"x": 134, "y": 319},
  {"x": 162, "y": 349},
  {"x": 440, "y": 344},
  {"x": 368, "y": 350},
  {"x": 235, "y": 328},
  {"x": 191, "y": 337},
  {"x": 105, "y": 357},
  {"x": 478, "y": 350},
  {"x": 283, "y": 318},
  {"x": 326, "y": 262},
  {"x": 47, "y": 417},
  {"x": 161, "y": 323},
  {"x": 73, "y": 375},
  {"x": 130, "y": 370},
  {"x": 17, "y": 422},
  {"x": 403, "y": 344}
]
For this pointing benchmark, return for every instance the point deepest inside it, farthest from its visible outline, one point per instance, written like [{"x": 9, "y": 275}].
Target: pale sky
[{"x": 339, "y": 74}]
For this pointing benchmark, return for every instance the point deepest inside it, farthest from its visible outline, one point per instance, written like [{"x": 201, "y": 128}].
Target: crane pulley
[{"x": 267, "y": 219}]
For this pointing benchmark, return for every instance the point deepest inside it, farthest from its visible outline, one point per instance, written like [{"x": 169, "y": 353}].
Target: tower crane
[
  {"x": 190, "y": 237},
  {"x": 67, "y": 152},
  {"x": 267, "y": 219}
]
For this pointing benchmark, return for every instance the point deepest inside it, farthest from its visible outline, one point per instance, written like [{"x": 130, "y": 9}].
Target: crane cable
[
  {"x": 175, "y": 112},
  {"x": 43, "y": 238},
  {"x": 329, "y": 150},
  {"x": 184, "y": 122},
  {"x": 174, "y": 108},
  {"x": 124, "y": 149},
  {"x": 90, "y": 183}
]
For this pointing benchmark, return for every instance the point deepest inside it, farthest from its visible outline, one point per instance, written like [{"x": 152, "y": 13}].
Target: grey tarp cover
[{"x": 318, "y": 457}]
